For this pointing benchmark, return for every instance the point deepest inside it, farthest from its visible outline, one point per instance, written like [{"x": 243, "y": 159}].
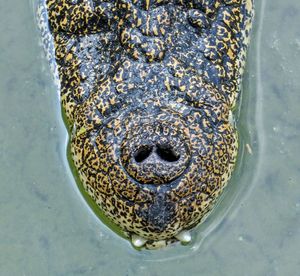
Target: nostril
[
  {"x": 142, "y": 154},
  {"x": 154, "y": 151},
  {"x": 167, "y": 153}
]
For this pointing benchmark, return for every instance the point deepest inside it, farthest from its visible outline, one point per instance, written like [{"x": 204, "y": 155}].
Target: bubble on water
[{"x": 276, "y": 129}]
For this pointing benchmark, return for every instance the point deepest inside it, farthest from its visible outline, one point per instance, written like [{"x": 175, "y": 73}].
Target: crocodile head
[{"x": 148, "y": 88}]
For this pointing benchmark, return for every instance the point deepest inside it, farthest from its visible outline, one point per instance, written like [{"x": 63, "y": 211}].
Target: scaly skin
[{"x": 148, "y": 87}]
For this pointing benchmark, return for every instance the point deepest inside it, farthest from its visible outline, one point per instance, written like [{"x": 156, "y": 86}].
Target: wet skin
[{"x": 148, "y": 88}]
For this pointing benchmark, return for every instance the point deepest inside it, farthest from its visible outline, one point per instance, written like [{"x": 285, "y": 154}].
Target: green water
[{"x": 46, "y": 228}]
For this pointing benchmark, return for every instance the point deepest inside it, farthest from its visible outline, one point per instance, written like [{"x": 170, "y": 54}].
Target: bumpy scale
[{"x": 148, "y": 88}]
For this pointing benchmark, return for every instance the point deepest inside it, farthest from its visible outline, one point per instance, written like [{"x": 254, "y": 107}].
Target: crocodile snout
[{"x": 155, "y": 153}]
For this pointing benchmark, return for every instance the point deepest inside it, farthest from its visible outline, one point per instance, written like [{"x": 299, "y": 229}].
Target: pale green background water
[{"x": 47, "y": 229}]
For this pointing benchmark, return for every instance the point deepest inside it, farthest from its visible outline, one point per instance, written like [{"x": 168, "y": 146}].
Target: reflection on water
[{"x": 46, "y": 226}]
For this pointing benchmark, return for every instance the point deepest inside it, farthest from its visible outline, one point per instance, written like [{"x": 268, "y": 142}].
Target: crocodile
[{"x": 148, "y": 89}]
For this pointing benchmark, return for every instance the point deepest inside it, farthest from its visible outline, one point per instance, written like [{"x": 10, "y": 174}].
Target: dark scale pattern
[{"x": 148, "y": 87}]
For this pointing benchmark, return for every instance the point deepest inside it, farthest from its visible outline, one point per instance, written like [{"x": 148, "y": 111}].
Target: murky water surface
[{"x": 46, "y": 228}]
